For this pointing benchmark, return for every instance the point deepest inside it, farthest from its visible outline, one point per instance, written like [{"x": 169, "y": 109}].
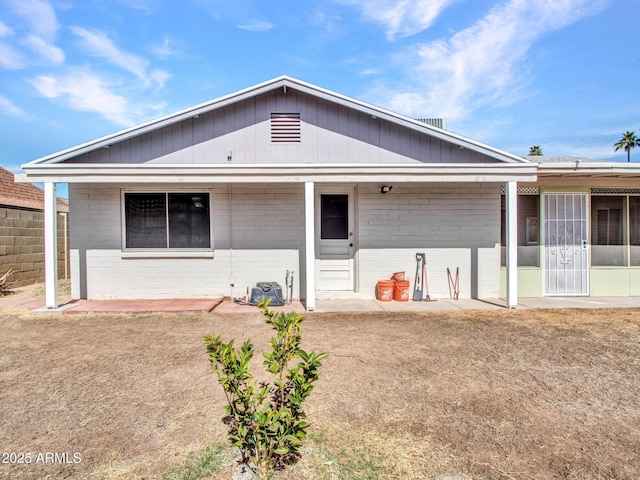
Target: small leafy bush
[{"x": 266, "y": 421}]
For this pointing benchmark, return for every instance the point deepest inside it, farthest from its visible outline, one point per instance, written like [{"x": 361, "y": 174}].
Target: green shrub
[{"x": 266, "y": 421}]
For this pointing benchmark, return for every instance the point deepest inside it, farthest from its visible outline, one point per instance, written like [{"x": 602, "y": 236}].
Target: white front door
[
  {"x": 335, "y": 239},
  {"x": 565, "y": 234}
]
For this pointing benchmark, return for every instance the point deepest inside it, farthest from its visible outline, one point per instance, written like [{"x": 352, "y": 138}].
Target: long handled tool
[
  {"x": 418, "y": 284},
  {"x": 426, "y": 283},
  {"x": 454, "y": 284}
]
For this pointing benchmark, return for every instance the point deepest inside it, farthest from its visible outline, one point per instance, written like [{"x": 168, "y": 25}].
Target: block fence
[{"x": 22, "y": 245}]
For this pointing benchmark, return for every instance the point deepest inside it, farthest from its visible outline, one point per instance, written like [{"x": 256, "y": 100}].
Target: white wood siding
[{"x": 330, "y": 133}]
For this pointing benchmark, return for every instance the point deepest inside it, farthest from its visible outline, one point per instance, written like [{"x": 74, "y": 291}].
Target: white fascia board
[
  {"x": 284, "y": 173},
  {"x": 579, "y": 168}
]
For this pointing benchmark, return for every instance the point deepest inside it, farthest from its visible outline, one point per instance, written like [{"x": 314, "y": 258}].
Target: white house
[{"x": 283, "y": 176}]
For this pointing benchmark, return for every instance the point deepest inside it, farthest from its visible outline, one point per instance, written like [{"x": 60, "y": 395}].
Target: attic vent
[
  {"x": 618, "y": 191},
  {"x": 434, "y": 122},
  {"x": 285, "y": 128},
  {"x": 523, "y": 190}
]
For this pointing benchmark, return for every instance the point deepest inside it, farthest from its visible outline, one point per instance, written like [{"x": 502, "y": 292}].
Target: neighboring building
[
  {"x": 22, "y": 231},
  {"x": 579, "y": 229},
  {"x": 289, "y": 176}
]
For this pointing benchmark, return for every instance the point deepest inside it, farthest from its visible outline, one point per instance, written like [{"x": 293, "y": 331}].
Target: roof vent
[
  {"x": 285, "y": 127},
  {"x": 434, "y": 122}
]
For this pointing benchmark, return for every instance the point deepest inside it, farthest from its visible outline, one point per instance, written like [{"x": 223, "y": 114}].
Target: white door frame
[
  {"x": 335, "y": 264},
  {"x": 565, "y": 244}
]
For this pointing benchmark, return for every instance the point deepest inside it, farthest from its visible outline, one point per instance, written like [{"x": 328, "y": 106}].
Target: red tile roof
[{"x": 24, "y": 195}]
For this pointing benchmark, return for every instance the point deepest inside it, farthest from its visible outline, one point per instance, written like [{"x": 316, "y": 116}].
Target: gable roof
[
  {"x": 24, "y": 195},
  {"x": 282, "y": 82},
  {"x": 90, "y": 162}
]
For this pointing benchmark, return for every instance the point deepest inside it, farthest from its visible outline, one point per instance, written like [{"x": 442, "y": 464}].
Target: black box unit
[{"x": 267, "y": 290}]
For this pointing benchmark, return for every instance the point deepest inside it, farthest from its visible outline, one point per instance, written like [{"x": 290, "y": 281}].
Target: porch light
[{"x": 385, "y": 189}]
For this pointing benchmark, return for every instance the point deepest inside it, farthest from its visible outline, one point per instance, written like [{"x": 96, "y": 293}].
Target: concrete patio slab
[
  {"x": 372, "y": 305},
  {"x": 27, "y": 298},
  {"x": 174, "y": 305},
  {"x": 228, "y": 307}
]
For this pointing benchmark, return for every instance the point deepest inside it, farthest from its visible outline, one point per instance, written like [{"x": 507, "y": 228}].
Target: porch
[{"x": 33, "y": 298}]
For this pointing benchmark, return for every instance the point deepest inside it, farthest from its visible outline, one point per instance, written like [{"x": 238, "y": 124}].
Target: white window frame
[{"x": 165, "y": 252}]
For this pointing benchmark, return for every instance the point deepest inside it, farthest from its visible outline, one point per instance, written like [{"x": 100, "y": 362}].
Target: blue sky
[{"x": 562, "y": 74}]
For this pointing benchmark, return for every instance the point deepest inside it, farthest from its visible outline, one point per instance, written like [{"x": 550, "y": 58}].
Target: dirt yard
[{"x": 504, "y": 394}]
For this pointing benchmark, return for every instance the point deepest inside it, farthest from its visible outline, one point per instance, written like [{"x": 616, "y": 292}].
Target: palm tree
[
  {"x": 627, "y": 142},
  {"x": 535, "y": 151}
]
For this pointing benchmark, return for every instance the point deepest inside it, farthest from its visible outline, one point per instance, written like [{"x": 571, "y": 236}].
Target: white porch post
[
  {"x": 310, "y": 246},
  {"x": 512, "y": 244},
  {"x": 50, "y": 246}
]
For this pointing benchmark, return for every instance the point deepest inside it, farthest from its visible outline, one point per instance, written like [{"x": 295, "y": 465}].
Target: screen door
[{"x": 565, "y": 233}]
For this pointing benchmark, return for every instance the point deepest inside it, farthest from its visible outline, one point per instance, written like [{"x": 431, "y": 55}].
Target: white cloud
[
  {"x": 165, "y": 50},
  {"x": 40, "y": 16},
  {"x": 257, "y": 26},
  {"x": 39, "y": 20},
  {"x": 7, "y": 107},
  {"x": 147, "y": 6},
  {"x": 48, "y": 51},
  {"x": 160, "y": 77},
  {"x": 5, "y": 31},
  {"x": 482, "y": 64},
  {"x": 10, "y": 58},
  {"x": 402, "y": 18},
  {"x": 82, "y": 90},
  {"x": 98, "y": 44}
]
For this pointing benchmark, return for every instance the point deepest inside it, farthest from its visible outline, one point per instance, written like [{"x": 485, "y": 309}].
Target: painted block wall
[
  {"x": 22, "y": 245},
  {"x": 263, "y": 223},
  {"x": 457, "y": 226}
]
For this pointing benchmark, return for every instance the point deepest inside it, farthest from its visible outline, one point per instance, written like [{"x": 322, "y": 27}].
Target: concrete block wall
[
  {"x": 456, "y": 225},
  {"x": 264, "y": 225},
  {"x": 22, "y": 245}
]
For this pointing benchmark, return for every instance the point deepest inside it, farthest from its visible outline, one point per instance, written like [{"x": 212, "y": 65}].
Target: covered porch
[{"x": 378, "y": 230}]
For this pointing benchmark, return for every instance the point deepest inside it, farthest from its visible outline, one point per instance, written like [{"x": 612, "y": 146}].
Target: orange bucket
[
  {"x": 401, "y": 291},
  {"x": 398, "y": 277},
  {"x": 384, "y": 290}
]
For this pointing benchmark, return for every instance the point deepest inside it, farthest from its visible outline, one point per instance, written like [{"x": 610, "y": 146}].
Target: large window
[
  {"x": 167, "y": 220},
  {"x": 615, "y": 230}
]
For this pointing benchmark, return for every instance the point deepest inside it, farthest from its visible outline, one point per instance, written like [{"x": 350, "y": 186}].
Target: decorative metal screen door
[{"x": 565, "y": 234}]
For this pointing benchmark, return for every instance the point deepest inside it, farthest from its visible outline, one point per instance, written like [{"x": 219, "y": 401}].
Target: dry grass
[{"x": 496, "y": 394}]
